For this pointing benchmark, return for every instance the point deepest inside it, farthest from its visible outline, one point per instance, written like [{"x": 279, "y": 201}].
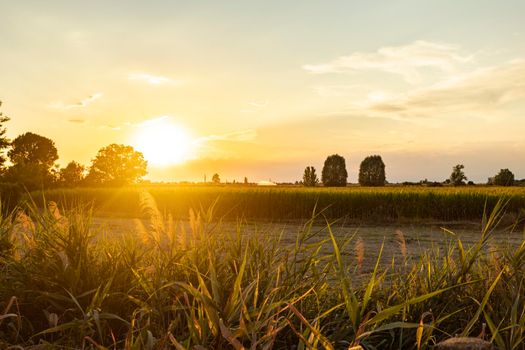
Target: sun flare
[{"x": 163, "y": 142}]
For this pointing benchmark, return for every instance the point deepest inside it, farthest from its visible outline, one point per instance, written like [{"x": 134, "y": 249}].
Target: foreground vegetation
[
  {"x": 360, "y": 204},
  {"x": 195, "y": 286}
]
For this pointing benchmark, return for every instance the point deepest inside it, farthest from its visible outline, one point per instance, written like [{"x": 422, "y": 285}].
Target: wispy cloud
[
  {"x": 80, "y": 104},
  {"x": 337, "y": 90},
  {"x": 77, "y": 121},
  {"x": 255, "y": 106},
  {"x": 153, "y": 79},
  {"x": 478, "y": 92},
  {"x": 150, "y": 122},
  {"x": 238, "y": 136},
  {"x": 406, "y": 60},
  {"x": 258, "y": 104}
]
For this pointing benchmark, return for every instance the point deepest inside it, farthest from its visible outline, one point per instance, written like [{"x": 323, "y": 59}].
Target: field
[
  {"x": 202, "y": 267},
  {"x": 357, "y": 204}
]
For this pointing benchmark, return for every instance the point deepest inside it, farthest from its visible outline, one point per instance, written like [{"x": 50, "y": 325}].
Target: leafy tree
[
  {"x": 72, "y": 174},
  {"x": 505, "y": 177},
  {"x": 33, "y": 157},
  {"x": 216, "y": 179},
  {"x": 372, "y": 171},
  {"x": 310, "y": 177},
  {"x": 458, "y": 178},
  {"x": 334, "y": 171},
  {"x": 31, "y": 148},
  {"x": 4, "y": 141},
  {"x": 117, "y": 165}
]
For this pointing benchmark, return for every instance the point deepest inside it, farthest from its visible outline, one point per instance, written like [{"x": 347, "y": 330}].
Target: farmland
[
  {"x": 221, "y": 267},
  {"x": 204, "y": 283},
  {"x": 357, "y": 204}
]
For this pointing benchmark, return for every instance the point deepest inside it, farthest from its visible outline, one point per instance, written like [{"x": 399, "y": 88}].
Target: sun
[{"x": 162, "y": 142}]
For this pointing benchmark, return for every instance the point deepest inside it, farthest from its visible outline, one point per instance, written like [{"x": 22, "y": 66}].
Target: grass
[
  {"x": 63, "y": 285},
  {"x": 358, "y": 204}
]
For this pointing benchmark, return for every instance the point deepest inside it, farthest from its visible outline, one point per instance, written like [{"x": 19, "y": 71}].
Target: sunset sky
[{"x": 265, "y": 88}]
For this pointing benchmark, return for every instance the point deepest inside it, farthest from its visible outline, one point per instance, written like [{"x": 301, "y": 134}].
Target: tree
[
  {"x": 117, "y": 165},
  {"x": 372, "y": 171},
  {"x": 33, "y": 157},
  {"x": 31, "y": 148},
  {"x": 245, "y": 180},
  {"x": 505, "y": 177},
  {"x": 4, "y": 141},
  {"x": 72, "y": 174},
  {"x": 310, "y": 177},
  {"x": 334, "y": 171},
  {"x": 458, "y": 178},
  {"x": 216, "y": 179}
]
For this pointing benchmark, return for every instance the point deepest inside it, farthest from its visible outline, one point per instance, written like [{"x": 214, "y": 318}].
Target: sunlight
[{"x": 162, "y": 142}]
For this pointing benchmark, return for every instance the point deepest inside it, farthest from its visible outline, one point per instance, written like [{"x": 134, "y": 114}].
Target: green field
[{"x": 359, "y": 204}]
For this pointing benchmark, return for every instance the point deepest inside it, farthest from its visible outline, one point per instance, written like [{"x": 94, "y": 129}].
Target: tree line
[
  {"x": 32, "y": 163},
  {"x": 372, "y": 173}
]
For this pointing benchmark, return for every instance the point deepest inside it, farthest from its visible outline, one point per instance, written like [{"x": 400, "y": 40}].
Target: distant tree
[
  {"x": 4, "y": 141},
  {"x": 245, "y": 180},
  {"x": 372, "y": 171},
  {"x": 33, "y": 157},
  {"x": 458, "y": 178},
  {"x": 216, "y": 179},
  {"x": 334, "y": 171},
  {"x": 505, "y": 177},
  {"x": 72, "y": 174},
  {"x": 117, "y": 165},
  {"x": 310, "y": 177}
]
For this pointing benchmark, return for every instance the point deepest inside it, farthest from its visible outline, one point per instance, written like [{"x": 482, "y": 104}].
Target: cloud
[
  {"x": 255, "y": 106},
  {"x": 153, "y": 79},
  {"x": 337, "y": 90},
  {"x": 258, "y": 104},
  {"x": 237, "y": 136},
  {"x": 77, "y": 121},
  {"x": 81, "y": 104},
  {"x": 406, "y": 60},
  {"x": 480, "y": 91},
  {"x": 150, "y": 122}
]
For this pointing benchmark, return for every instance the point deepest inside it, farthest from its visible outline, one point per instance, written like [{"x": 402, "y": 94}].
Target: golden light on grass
[{"x": 163, "y": 142}]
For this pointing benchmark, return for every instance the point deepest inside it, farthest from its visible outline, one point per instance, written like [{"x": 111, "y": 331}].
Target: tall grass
[
  {"x": 360, "y": 204},
  {"x": 194, "y": 286}
]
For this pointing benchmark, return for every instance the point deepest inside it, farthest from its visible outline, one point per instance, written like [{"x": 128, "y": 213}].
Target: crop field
[
  {"x": 71, "y": 280},
  {"x": 357, "y": 204}
]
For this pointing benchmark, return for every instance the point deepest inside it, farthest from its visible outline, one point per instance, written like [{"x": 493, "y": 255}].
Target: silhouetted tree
[
  {"x": 245, "y": 180},
  {"x": 505, "y": 177},
  {"x": 458, "y": 178},
  {"x": 72, "y": 174},
  {"x": 372, "y": 171},
  {"x": 33, "y": 157},
  {"x": 310, "y": 177},
  {"x": 34, "y": 149},
  {"x": 334, "y": 171},
  {"x": 117, "y": 165},
  {"x": 216, "y": 179},
  {"x": 4, "y": 141}
]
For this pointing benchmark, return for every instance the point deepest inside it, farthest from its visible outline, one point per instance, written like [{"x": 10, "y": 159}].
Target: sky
[{"x": 263, "y": 89}]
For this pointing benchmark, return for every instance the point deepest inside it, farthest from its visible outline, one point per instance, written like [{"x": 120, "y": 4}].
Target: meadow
[{"x": 212, "y": 268}]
